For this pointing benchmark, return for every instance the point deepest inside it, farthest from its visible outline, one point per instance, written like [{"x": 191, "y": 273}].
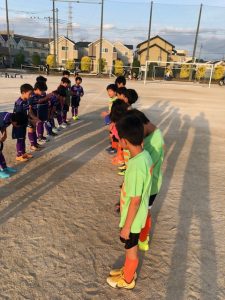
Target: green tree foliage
[
  {"x": 36, "y": 59},
  {"x": 85, "y": 64},
  {"x": 118, "y": 67},
  {"x": 135, "y": 67},
  {"x": 19, "y": 59},
  {"x": 102, "y": 64},
  {"x": 50, "y": 60}
]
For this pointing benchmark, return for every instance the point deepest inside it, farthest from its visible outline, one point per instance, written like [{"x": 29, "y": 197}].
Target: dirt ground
[{"x": 58, "y": 229}]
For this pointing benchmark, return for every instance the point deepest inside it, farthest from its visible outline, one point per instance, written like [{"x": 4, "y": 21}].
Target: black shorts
[
  {"x": 132, "y": 242},
  {"x": 75, "y": 101},
  {"x": 151, "y": 200}
]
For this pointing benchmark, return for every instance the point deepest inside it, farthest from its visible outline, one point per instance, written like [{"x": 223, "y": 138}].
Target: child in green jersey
[
  {"x": 134, "y": 199},
  {"x": 154, "y": 144}
]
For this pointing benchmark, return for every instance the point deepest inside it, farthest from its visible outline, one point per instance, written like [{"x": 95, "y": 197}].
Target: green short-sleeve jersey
[
  {"x": 154, "y": 144},
  {"x": 137, "y": 183},
  {"x": 111, "y": 100}
]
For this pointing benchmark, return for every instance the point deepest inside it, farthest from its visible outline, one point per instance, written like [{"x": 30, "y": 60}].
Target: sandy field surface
[{"x": 59, "y": 233}]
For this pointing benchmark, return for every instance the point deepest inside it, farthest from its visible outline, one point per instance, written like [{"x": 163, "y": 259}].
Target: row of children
[
  {"x": 139, "y": 148},
  {"x": 34, "y": 111}
]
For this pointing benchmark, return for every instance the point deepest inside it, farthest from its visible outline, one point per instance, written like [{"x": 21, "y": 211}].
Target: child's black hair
[
  {"x": 78, "y": 78},
  {"x": 121, "y": 90},
  {"x": 26, "y": 87},
  {"x": 131, "y": 95},
  {"x": 139, "y": 114},
  {"x": 112, "y": 87},
  {"x": 20, "y": 118},
  {"x": 65, "y": 80},
  {"x": 120, "y": 79},
  {"x": 118, "y": 110},
  {"x": 66, "y": 72},
  {"x": 40, "y": 85},
  {"x": 41, "y": 79},
  {"x": 61, "y": 91},
  {"x": 131, "y": 129}
]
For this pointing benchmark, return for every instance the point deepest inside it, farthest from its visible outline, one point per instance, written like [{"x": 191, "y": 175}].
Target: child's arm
[
  {"x": 131, "y": 214},
  {"x": 3, "y": 135}
]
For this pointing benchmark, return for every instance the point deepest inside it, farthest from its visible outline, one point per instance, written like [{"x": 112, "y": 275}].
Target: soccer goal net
[{"x": 179, "y": 72}]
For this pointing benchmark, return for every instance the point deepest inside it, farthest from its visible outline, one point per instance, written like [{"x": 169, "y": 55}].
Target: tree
[
  {"x": 50, "y": 60},
  {"x": 185, "y": 71},
  {"x": 102, "y": 64},
  {"x": 86, "y": 64},
  {"x": 118, "y": 67},
  {"x": 19, "y": 59},
  {"x": 136, "y": 67},
  {"x": 70, "y": 65},
  {"x": 200, "y": 72},
  {"x": 218, "y": 72},
  {"x": 36, "y": 59}
]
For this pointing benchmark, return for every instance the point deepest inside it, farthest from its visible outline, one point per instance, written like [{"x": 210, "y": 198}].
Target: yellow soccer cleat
[
  {"x": 144, "y": 246},
  {"x": 119, "y": 282}
]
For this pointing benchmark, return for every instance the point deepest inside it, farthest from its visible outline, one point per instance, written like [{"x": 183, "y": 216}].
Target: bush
[
  {"x": 185, "y": 71},
  {"x": 118, "y": 67},
  {"x": 36, "y": 59},
  {"x": 50, "y": 60},
  {"x": 70, "y": 65},
  {"x": 218, "y": 72},
  {"x": 86, "y": 64},
  {"x": 19, "y": 59},
  {"x": 200, "y": 72}
]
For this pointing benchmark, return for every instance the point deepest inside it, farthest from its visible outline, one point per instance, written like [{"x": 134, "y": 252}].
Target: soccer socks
[
  {"x": 31, "y": 138},
  {"x": 40, "y": 129},
  {"x": 130, "y": 268},
  {"x": 145, "y": 231}
]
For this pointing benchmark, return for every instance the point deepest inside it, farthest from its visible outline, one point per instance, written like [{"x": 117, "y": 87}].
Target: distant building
[
  {"x": 124, "y": 52},
  {"x": 180, "y": 55},
  {"x": 65, "y": 50},
  {"x": 159, "y": 50},
  {"x": 25, "y": 44}
]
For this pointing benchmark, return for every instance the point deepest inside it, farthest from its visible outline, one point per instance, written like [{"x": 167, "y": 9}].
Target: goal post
[{"x": 164, "y": 71}]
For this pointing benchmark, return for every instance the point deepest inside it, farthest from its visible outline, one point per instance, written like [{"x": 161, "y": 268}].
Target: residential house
[
  {"x": 159, "y": 50},
  {"x": 124, "y": 53},
  {"x": 180, "y": 55},
  {"x": 25, "y": 44},
  {"x": 65, "y": 50},
  {"x": 108, "y": 53}
]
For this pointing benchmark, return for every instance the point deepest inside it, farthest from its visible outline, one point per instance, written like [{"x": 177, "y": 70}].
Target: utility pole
[
  {"x": 149, "y": 31},
  {"x": 200, "y": 52},
  {"x": 196, "y": 40},
  {"x": 54, "y": 33},
  {"x": 8, "y": 32},
  {"x": 101, "y": 34},
  {"x": 57, "y": 33},
  {"x": 70, "y": 21}
]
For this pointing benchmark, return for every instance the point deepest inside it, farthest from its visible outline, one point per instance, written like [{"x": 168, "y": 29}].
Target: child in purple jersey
[
  {"x": 21, "y": 105},
  {"x": 6, "y": 119},
  {"x": 77, "y": 92},
  {"x": 62, "y": 92}
]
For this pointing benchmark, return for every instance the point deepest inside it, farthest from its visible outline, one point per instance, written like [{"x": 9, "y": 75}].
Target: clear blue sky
[{"x": 127, "y": 21}]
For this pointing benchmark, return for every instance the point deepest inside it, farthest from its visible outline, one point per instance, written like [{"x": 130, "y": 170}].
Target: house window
[
  {"x": 65, "y": 48},
  {"x": 64, "y": 61},
  {"x": 126, "y": 53},
  {"x": 105, "y": 50}
]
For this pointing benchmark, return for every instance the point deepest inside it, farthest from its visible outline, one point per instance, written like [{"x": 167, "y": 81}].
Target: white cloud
[{"x": 109, "y": 26}]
